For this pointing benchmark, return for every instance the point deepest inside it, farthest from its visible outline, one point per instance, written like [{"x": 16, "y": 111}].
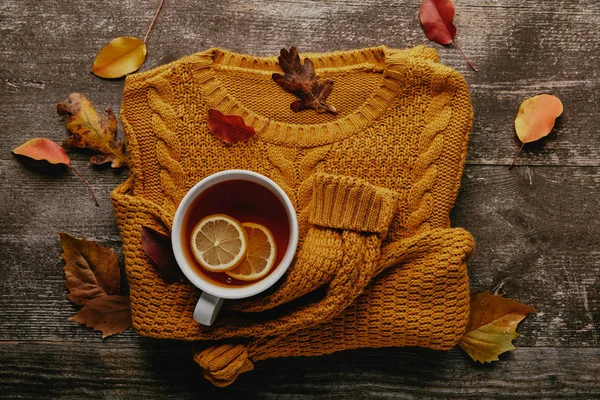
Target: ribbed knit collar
[{"x": 203, "y": 67}]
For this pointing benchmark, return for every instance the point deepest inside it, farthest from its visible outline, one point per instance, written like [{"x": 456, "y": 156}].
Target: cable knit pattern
[{"x": 377, "y": 262}]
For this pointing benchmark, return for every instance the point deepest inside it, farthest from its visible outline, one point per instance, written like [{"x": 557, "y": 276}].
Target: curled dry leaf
[
  {"x": 436, "y": 18},
  {"x": 230, "y": 128},
  {"x": 46, "y": 150},
  {"x": 91, "y": 270},
  {"x": 158, "y": 247},
  {"x": 492, "y": 326},
  {"x": 92, "y": 131},
  {"x": 121, "y": 56},
  {"x": 109, "y": 314},
  {"x": 536, "y": 119},
  {"x": 301, "y": 80}
]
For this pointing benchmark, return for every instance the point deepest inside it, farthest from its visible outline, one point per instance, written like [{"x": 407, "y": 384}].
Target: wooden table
[{"x": 537, "y": 226}]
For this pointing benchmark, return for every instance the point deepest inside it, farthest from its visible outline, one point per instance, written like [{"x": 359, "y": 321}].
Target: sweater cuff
[{"x": 343, "y": 202}]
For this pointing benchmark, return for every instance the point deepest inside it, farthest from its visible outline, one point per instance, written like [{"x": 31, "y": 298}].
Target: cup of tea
[{"x": 215, "y": 208}]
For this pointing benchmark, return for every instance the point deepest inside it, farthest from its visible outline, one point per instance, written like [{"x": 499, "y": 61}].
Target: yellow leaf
[
  {"x": 492, "y": 326},
  {"x": 536, "y": 117},
  {"x": 120, "y": 57}
]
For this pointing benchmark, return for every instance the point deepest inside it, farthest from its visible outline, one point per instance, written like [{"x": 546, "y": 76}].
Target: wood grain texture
[{"x": 536, "y": 226}]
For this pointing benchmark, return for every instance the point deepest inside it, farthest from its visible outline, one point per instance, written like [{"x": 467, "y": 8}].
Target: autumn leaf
[
  {"x": 158, "y": 247},
  {"x": 109, "y": 314},
  {"x": 492, "y": 326},
  {"x": 91, "y": 270},
  {"x": 46, "y": 150},
  {"x": 230, "y": 128},
  {"x": 536, "y": 119},
  {"x": 121, "y": 56},
  {"x": 301, "y": 80},
  {"x": 92, "y": 131},
  {"x": 436, "y": 18}
]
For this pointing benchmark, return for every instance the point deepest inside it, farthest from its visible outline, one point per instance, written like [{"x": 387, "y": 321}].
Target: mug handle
[{"x": 207, "y": 309}]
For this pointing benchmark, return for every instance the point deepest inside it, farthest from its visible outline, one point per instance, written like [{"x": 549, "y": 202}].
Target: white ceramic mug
[{"x": 211, "y": 300}]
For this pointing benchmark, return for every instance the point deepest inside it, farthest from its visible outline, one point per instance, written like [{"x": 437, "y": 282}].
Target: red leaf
[
  {"x": 436, "y": 17},
  {"x": 158, "y": 247},
  {"x": 43, "y": 149},
  {"x": 229, "y": 128}
]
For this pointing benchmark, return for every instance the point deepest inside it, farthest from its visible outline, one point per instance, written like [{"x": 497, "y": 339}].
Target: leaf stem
[
  {"x": 86, "y": 184},
  {"x": 468, "y": 61},
  {"x": 262, "y": 127},
  {"x": 515, "y": 159},
  {"x": 153, "y": 20}
]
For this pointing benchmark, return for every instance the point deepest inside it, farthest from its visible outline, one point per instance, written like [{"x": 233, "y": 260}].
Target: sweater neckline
[{"x": 203, "y": 67}]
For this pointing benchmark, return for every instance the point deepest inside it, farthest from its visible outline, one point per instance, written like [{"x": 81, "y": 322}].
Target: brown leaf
[
  {"x": 158, "y": 247},
  {"x": 91, "y": 270},
  {"x": 92, "y": 131},
  {"x": 536, "y": 118},
  {"x": 43, "y": 149},
  {"x": 492, "y": 326},
  {"x": 121, "y": 56},
  {"x": 230, "y": 128},
  {"x": 108, "y": 314},
  {"x": 302, "y": 81}
]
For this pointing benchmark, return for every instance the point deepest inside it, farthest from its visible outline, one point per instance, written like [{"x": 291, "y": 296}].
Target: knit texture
[{"x": 377, "y": 262}]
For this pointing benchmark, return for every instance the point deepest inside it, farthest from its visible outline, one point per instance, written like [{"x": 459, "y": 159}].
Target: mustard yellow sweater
[{"x": 377, "y": 265}]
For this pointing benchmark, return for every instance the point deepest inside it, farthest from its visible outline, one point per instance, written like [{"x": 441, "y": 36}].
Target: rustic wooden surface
[{"x": 537, "y": 226}]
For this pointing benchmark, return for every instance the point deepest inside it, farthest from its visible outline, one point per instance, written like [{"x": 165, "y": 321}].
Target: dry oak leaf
[
  {"x": 302, "y": 81},
  {"x": 492, "y": 326},
  {"x": 121, "y": 56},
  {"x": 436, "y": 19},
  {"x": 536, "y": 119},
  {"x": 230, "y": 128},
  {"x": 109, "y": 314},
  {"x": 92, "y": 131},
  {"x": 158, "y": 247},
  {"x": 91, "y": 270}
]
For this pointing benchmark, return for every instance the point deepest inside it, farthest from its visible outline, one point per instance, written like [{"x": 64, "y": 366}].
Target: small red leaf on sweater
[
  {"x": 436, "y": 18},
  {"x": 158, "y": 247},
  {"x": 230, "y": 128}
]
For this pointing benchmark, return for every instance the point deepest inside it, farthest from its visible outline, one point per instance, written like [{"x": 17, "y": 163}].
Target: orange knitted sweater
[{"x": 378, "y": 264}]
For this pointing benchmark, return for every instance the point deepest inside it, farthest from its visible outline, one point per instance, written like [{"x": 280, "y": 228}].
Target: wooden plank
[
  {"x": 157, "y": 369},
  {"x": 541, "y": 243},
  {"x": 521, "y": 49}
]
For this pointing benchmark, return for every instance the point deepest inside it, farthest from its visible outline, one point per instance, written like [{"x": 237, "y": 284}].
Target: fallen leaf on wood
[
  {"x": 536, "y": 119},
  {"x": 230, "y": 128},
  {"x": 302, "y": 81},
  {"x": 158, "y": 247},
  {"x": 492, "y": 326},
  {"x": 121, "y": 56},
  {"x": 46, "y": 150},
  {"x": 91, "y": 270},
  {"x": 436, "y": 18},
  {"x": 109, "y": 314},
  {"x": 92, "y": 131}
]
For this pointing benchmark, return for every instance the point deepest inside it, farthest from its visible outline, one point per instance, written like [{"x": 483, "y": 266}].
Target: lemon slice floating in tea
[
  {"x": 219, "y": 242},
  {"x": 260, "y": 257}
]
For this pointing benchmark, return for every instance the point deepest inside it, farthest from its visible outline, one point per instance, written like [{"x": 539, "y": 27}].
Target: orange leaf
[
  {"x": 229, "y": 128},
  {"x": 43, "y": 149},
  {"x": 108, "y": 314},
  {"x": 536, "y": 119},
  {"x": 92, "y": 131},
  {"x": 492, "y": 326},
  {"x": 121, "y": 56},
  {"x": 91, "y": 270}
]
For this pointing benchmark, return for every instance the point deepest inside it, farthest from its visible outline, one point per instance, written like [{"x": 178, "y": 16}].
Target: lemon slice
[
  {"x": 260, "y": 257},
  {"x": 219, "y": 242}
]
